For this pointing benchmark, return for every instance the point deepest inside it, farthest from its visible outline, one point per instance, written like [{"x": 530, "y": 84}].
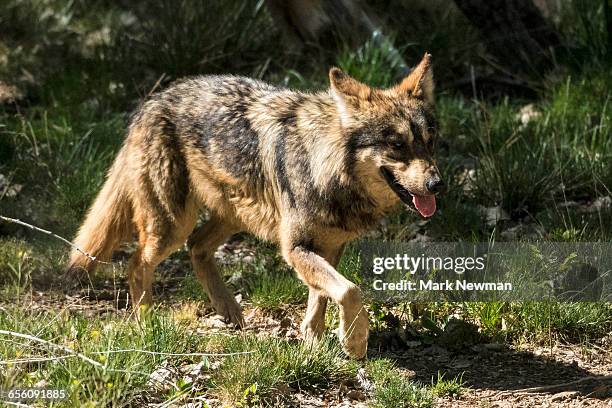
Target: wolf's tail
[{"x": 108, "y": 221}]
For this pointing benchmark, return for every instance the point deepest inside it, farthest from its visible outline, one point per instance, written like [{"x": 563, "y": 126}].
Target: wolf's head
[{"x": 391, "y": 134}]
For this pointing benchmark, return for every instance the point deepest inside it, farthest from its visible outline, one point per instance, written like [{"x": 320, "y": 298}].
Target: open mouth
[{"x": 425, "y": 205}]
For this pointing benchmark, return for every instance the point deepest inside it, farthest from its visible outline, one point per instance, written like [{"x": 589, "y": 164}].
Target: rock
[
  {"x": 162, "y": 379},
  {"x": 459, "y": 335},
  {"x": 413, "y": 344},
  {"x": 194, "y": 370},
  {"x": 41, "y": 384},
  {"x": 7, "y": 189},
  {"x": 529, "y": 231},
  {"x": 356, "y": 395},
  {"x": 599, "y": 204},
  {"x": 527, "y": 114},
  {"x": 215, "y": 322},
  {"x": 363, "y": 381},
  {"x": 493, "y": 215},
  {"x": 9, "y": 93},
  {"x": 495, "y": 346},
  {"x": 421, "y": 238}
]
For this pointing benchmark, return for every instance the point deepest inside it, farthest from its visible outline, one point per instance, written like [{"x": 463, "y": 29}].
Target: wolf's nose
[{"x": 435, "y": 185}]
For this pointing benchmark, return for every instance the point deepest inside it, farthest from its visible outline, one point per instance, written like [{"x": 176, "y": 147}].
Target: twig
[
  {"x": 157, "y": 353},
  {"x": 159, "y": 80},
  {"x": 73, "y": 353},
  {"x": 16, "y": 404},
  {"x": 53, "y": 345},
  {"x": 34, "y": 360},
  {"x": 546, "y": 388},
  {"x": 25, "y": 224}
]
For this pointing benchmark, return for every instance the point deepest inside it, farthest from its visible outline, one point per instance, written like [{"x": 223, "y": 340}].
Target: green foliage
[
  {"x": 269, "y": 282},
  {"x": 393, "y": 389},
  {"x": 552, "y": 321},
  {"x": 376, "y": 63},
  {"x": 190, "y": 37},
  {"x": 447, "y": 388},
  {"x": 82, "y": 65},
  {"x": 588, "y": 25},
  {"x": 120, "y": 379},
  {"x": 15, "y": 270},
  {"x": 273, "y": 363}
]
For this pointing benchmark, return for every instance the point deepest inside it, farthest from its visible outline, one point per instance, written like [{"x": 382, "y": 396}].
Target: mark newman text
[{"x": 425, "y": 285}]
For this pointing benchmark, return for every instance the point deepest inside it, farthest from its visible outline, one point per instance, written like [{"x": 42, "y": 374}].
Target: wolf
[{"x": 309, "y": 171}]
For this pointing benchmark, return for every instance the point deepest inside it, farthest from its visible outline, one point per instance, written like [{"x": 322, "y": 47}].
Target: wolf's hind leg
[
  {"x": 202, "y": 245},
  {"x": 158, "y": 237}
]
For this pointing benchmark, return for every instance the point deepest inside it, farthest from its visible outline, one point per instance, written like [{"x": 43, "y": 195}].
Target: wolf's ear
[
  {"x": 347, "y": 92},
  {"x": 347, "y": 86},
  {"x": 419, "y": 83}
]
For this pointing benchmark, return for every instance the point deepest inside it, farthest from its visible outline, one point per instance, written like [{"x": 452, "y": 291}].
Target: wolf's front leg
[
  {"x": 320, "y": 276},
  {"x": 313, "y": 324}
]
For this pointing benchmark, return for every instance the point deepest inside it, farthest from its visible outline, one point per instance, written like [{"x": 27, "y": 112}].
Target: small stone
[
  {"x": 495, "y": 346},
  {"x": 161, "y": 379},
  {"x": 493, "y": 215},
  {"x": 363, "y": 380},
  {"x": 528, "y": 113},
  {"x": 459, "y": 334},
  {"x": 215, "y": 322},
  {"x": 356, "y": 395},
  {"x": 285, "y": 323},
  {"x": 41, "y": 384}
]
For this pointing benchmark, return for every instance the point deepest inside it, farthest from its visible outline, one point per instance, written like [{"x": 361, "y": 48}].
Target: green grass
[
  {"x": 393, "y": 389},
  {"x": 565, "y": 322},
  {"x": 268, "y": 363},
  {"x": 443, "y": 387},
  {"x": 119, "y": 379},
  {"x": 84, "y": 66},
  {"x": 271, "y": 288},
  {"x": 277, "y": 363}
]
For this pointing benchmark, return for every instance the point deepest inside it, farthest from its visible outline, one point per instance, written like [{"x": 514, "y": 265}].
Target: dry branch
[{"x": 54, "y": 235}]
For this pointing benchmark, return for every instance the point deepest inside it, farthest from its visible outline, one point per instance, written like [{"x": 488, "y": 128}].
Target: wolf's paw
[
  {"x": 230, "y": 310},
  {"x": 353, "y": 335}
]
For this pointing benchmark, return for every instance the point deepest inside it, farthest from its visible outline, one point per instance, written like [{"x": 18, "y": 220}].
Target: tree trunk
[
  {"x": 517, "y": 34},
  {"x": 322, "y": 22}
]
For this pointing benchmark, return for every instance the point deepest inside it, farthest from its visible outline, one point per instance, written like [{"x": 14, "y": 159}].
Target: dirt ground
[{"x": 494, "y": 375}]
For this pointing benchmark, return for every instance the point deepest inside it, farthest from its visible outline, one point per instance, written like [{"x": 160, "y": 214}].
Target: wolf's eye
[{"x": 399, "y": 144}]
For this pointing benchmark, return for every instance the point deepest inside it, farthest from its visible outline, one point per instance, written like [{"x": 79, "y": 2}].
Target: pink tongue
[{"x": 425, "y": 204}]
